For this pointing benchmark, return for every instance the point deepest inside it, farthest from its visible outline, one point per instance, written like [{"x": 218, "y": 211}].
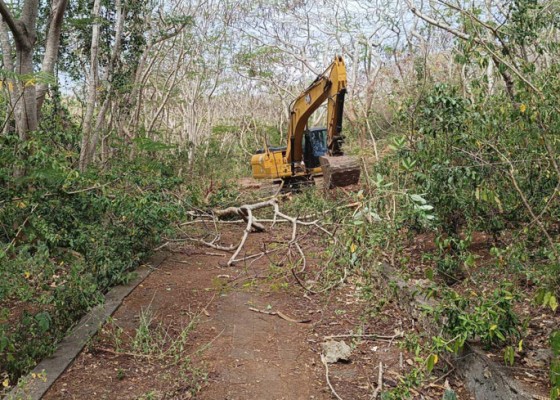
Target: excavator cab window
[{"x": 315, "y": 146}]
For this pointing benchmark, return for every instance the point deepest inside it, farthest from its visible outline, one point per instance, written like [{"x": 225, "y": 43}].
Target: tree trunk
[
  {"x": 24, "y": 32},
  {"x": 26, "y": 107},
  {"x": 8, "y": 61},
  {"x": 87, "y": 150},
  {"x": 100, "y": 121},
  {"x": 51, "y": 48}
]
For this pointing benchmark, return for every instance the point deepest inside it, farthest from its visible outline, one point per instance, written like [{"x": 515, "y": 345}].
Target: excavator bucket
[{"x": 339, "y": 171}]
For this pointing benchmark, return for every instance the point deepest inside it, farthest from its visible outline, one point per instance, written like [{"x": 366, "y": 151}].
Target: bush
[{"x": 66, "y": 238}]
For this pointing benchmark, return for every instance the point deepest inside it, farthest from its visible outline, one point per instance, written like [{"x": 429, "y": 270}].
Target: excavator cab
[{"x": 315, "y": 146}]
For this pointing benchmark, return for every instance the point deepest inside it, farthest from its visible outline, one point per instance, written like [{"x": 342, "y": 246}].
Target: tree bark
[
  {"x": 24, "y": 32},
  {"x": 100, "y": 121},
  {"x": 7, "y": 59},
  {"x": 51, "y": 49},
  {"x": 87, "y": 150},
  {"x": 26, "y": 107},
  {"x": 27, "y": 97}
]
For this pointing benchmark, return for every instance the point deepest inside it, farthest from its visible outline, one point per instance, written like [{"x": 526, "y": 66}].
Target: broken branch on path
[
  {"x": 324, "y": 361},
  {"x": 379, "y": 382},
  {"x": 211, "y": 244},
  {"x": 246, "y": 212},
  {"x": 281, "y": 315},
  {"x": 372, "y": 336}
]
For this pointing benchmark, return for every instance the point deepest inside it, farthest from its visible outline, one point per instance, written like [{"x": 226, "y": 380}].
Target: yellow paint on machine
[{"x": 273, "y": 165}]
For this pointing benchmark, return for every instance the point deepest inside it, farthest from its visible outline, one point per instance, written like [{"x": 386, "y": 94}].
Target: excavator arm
[
  {"x": 330, "y": 86},
  {"x": 285, "y": 163}
]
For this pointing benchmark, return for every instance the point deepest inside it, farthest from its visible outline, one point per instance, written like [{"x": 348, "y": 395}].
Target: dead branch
[
  {"x": 281, "y": 315},
  {"x": 379, "y": 382},
  {"x": 246, "y": 212},
  {"x": 372, "y": 336},
  {"x": 247, "y": 215},
  {"x": 299, "y": 282},
  {"x": 324, "y": 361},
  {"x": 261, "y": 254},
  {"x": 243, "y": 212},
  {"x": 209, "y": 244},
  {"x": 121, "y": 353},
  {"x": 18, "y": 233}
]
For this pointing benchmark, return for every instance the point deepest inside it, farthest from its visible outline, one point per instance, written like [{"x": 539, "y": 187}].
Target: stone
[{"x": 334, "y": 351}]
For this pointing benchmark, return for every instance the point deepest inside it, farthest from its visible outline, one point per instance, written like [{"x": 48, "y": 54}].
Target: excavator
[{"x": 316, "y": 151}]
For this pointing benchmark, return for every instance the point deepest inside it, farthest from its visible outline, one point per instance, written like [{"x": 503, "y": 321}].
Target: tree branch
[
  {"x": 51, "y": 48},
  {"x": 439, "y": 24},
  {"x": 484, "y": 43},
  {"x": 10, "y": 21}
]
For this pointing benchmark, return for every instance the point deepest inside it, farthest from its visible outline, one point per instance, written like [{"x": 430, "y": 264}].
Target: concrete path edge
[{"x": 69, "y": 348}]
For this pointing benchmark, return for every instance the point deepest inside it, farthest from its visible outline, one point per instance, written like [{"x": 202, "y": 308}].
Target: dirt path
[
  {"x": 188, "y": 331},
  {"x": 233, "y": 352},
  {"x": 259, "y": 356}
]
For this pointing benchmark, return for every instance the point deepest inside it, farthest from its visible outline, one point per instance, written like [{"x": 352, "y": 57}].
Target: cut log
[{"x": 339, "y": 171}]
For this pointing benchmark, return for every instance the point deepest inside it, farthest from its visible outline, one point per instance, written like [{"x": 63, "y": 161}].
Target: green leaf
[
  {"x": 418, "y": 199},
  {"x": 509, "y": 355},
  {"x": 546, "y": 299},
  {"x": 429, "y": 274},
  {"x": 553, "y": 303},
  {"x": 43, "y": 320},
  {"x": 431, "y": 362},
  {"x": 3, "y": 343},
  {"x": 555, "y": 342}
]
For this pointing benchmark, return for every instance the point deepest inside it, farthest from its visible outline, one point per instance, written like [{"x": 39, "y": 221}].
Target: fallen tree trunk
[{"x": 484, "y": 378}]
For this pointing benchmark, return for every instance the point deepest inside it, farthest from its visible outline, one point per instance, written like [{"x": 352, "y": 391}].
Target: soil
[{"x": 233, "y": 351}]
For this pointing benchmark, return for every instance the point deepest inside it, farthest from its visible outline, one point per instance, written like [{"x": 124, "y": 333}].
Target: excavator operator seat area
[{"x": 315, "y": 146}]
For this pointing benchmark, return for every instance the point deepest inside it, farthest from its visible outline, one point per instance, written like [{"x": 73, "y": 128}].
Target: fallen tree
[{"x": 246, "y": 212}]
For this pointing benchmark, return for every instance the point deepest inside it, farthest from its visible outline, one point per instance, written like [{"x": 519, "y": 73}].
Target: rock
[
  {"x": 486, "y": 380},
  {"x": 336, "y": 351}
]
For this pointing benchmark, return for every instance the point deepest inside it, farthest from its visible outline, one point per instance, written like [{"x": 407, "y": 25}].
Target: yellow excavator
[{"x": 316, "y": 151}]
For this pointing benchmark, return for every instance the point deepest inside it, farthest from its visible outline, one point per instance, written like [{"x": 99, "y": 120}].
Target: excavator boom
[{"x": 297, "y": 161}]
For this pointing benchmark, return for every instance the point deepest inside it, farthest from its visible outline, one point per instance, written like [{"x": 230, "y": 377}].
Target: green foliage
[
  {"x": 490, "y": 320},
  {"x": 459, "y": 155},
  {"x": 66, "y": 237},
  {"x": 555, "y": 365},
  {"x": 403, "y": 389},
  {"x": 453, "y": 257}
]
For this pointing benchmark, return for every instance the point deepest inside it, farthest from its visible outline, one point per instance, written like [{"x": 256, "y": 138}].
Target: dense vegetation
[{"x": 456, "y": 120}]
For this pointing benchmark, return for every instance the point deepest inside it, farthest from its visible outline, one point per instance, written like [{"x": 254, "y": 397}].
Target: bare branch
[{"x": 11, "y": 21}]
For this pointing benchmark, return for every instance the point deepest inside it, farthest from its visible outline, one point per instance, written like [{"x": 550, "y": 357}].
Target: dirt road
[
  {"x": 234, "y": 353},
  {"x": 190, "y": 330}
]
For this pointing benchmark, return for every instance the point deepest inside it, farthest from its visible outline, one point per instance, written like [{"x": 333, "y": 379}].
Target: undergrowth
[{"x": 67, "y": 237}]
